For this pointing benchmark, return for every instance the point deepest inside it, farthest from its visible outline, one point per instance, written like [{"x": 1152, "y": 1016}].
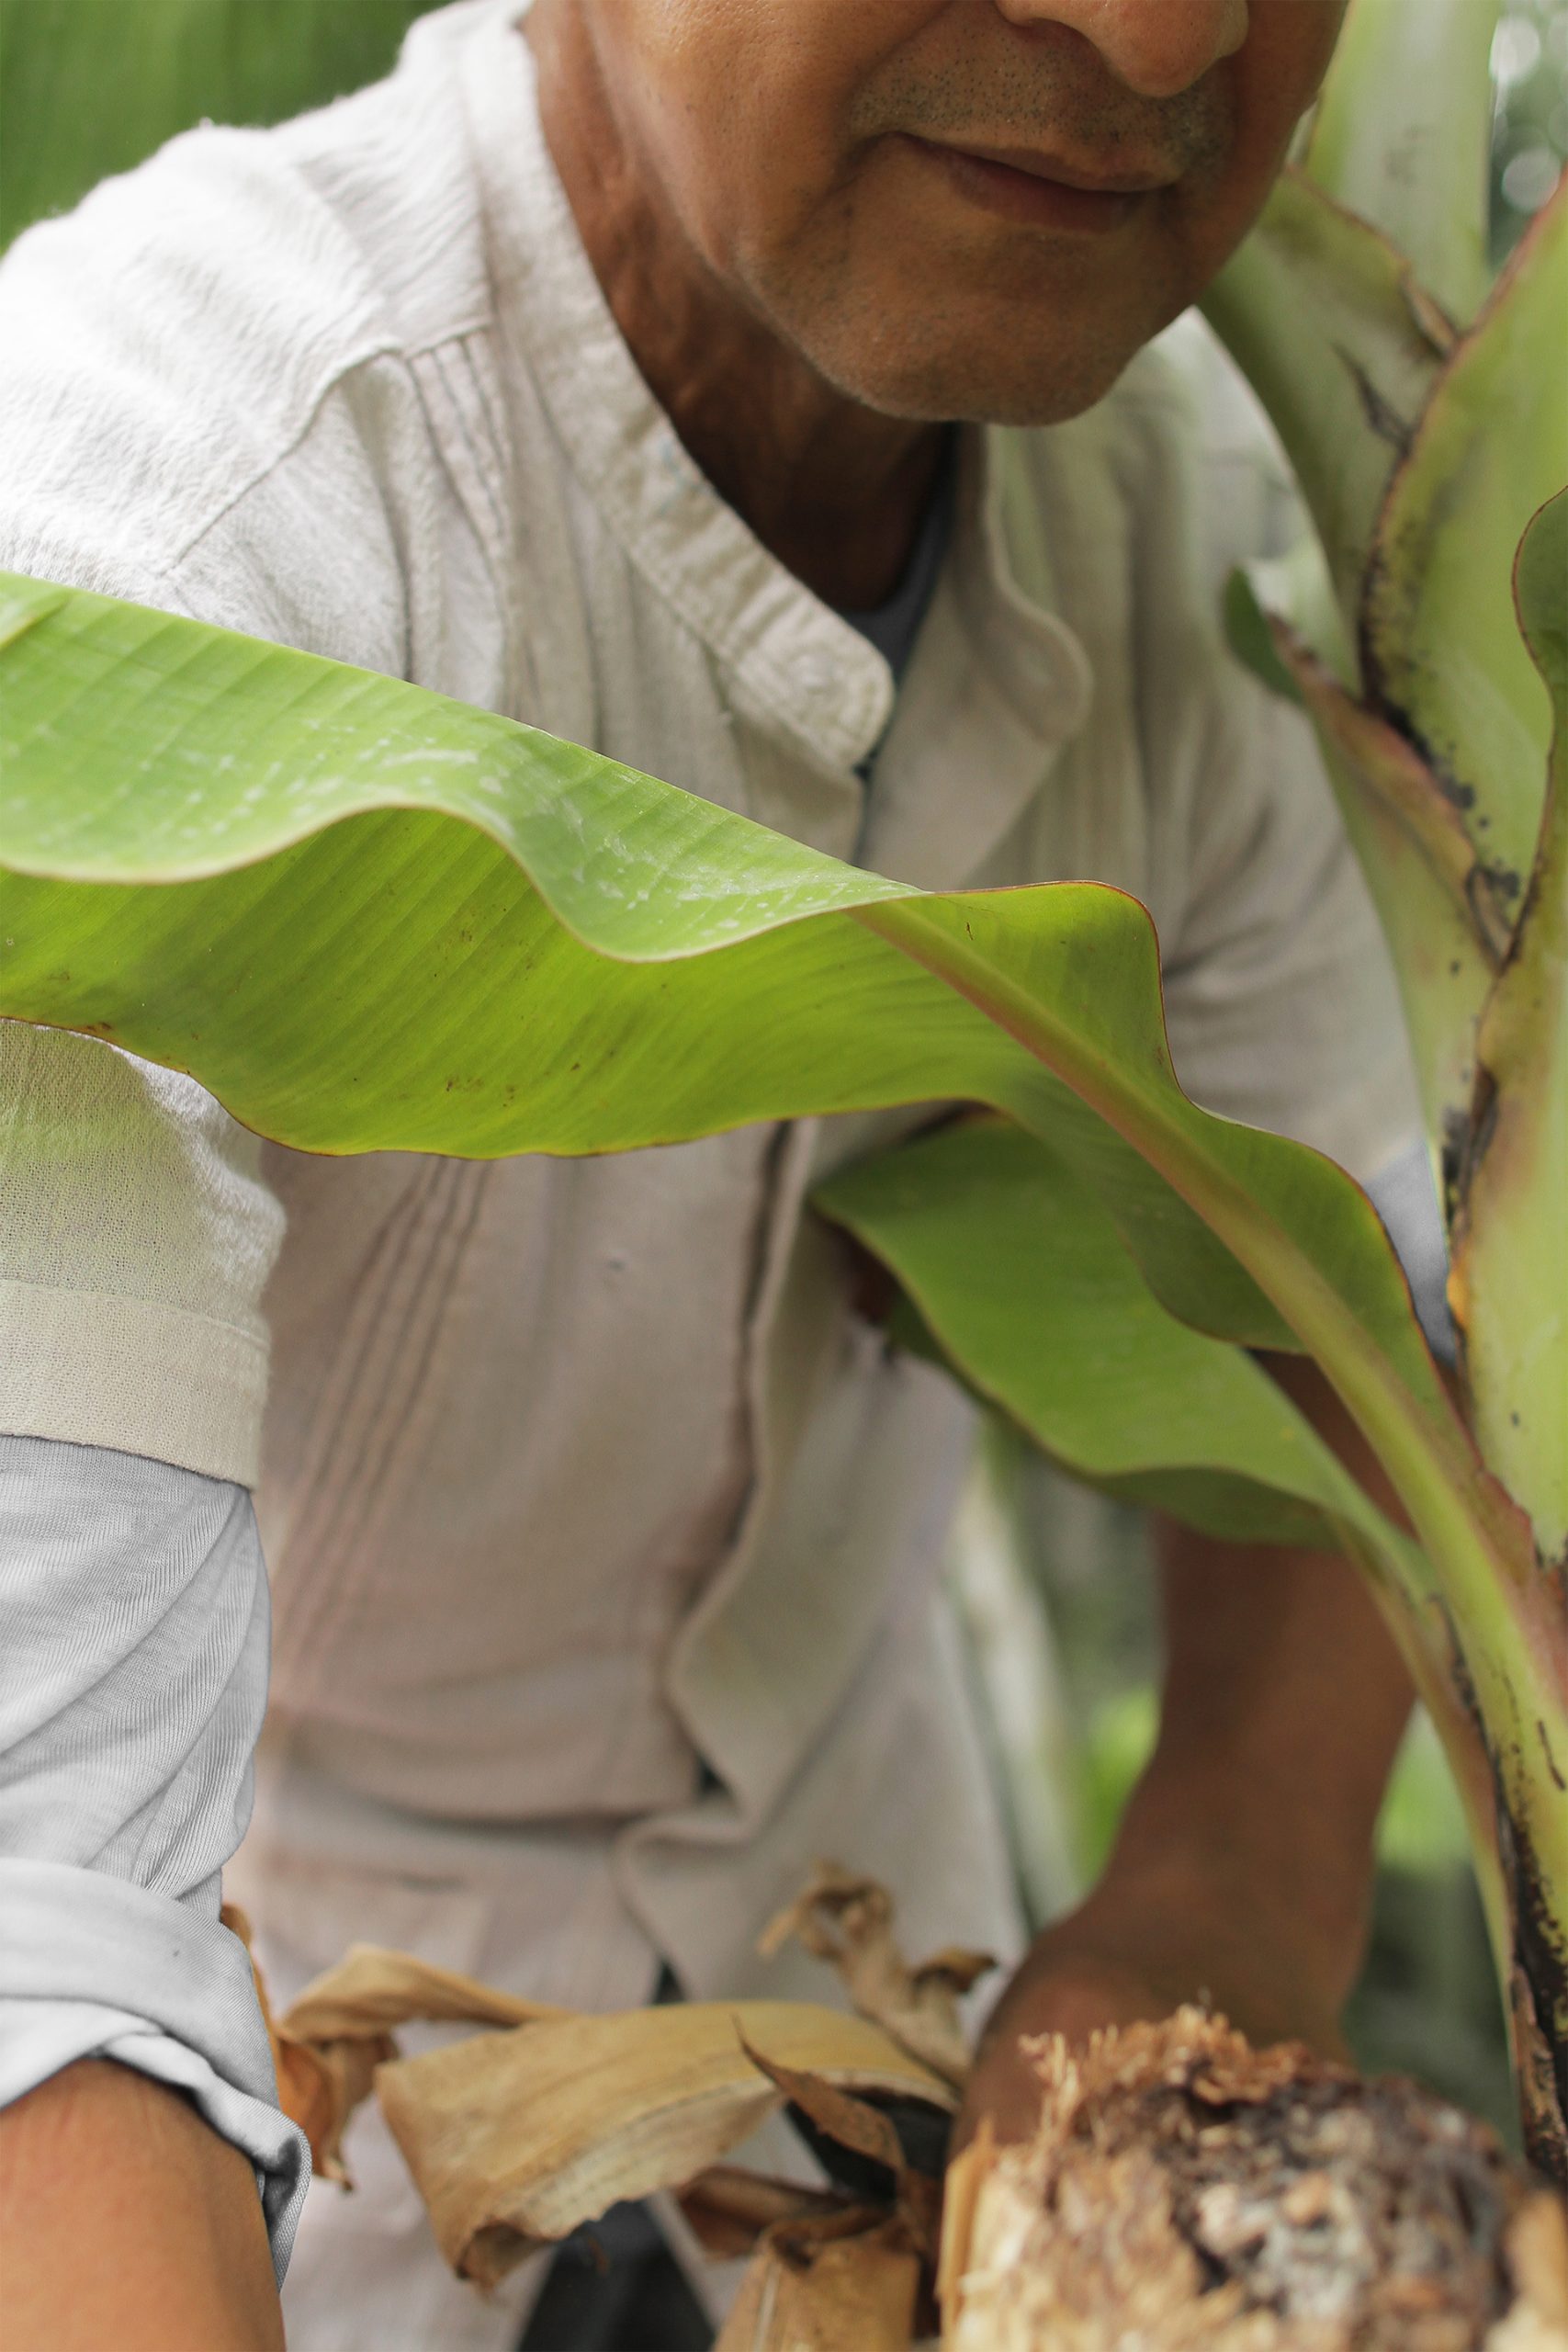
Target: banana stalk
[{"x": 1427, "y": 637}]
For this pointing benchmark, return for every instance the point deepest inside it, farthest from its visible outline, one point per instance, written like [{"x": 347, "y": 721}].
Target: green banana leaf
[
  {"x": 1422, "y": 455},
  {"x": 1023, "y": 1285},
  {"x": 384, "y": 922},
  {"x": 1324, "y": 318},
  {"x": 1439, "y": 915},
  {"x": 1422, "y": 459},
  {"x": 88, "y": 87},
  {"x": 1511, "y": 1236},
  {"x": 1403, "y": 132},
  {"x": 1445, "y": 648},
  {"x": 367, "y": 917},
  {"x": 1436, "y": 736}
]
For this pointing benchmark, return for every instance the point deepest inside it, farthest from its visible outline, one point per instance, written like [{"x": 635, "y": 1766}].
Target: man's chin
[{"x": 971, "y": 387}]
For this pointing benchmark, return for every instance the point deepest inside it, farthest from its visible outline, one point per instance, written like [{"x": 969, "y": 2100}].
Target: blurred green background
[
  {"x": 1054, "y": 1583},
  {"x": 88, "y": 87},
  {"x": 1530, "y": 144}
]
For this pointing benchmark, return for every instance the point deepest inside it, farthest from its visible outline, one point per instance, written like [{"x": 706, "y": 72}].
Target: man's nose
[{"x": 1158, "y": 48}]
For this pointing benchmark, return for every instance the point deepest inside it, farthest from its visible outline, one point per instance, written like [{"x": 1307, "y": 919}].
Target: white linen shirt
[{"x": 575, "y": 1478}]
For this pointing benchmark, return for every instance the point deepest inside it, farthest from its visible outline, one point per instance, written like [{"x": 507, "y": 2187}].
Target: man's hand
[
  {"x": 125, "y": 2222},
  {"x": 1243, "y": 1868},
  {"x": 1125, "y": 1956}
]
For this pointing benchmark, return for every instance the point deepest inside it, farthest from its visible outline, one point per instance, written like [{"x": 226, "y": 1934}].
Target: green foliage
[
  {"x": 1020, "y": 1274},
  {"x": 1450, "y": 665},
  {"x": 1422, "y": 1826},
  {"x": 1321, "y": 312},
  {"x": 1403, "y": 137},
  {"x": 1510, "y": 1272},
  {"x": 88, "y": 87},
  {"x": 386, "y": 921},
  {"x": 1436, "y": 737},
  {"x": 367, "y": 917},
  {"x": 361, "y": 886}
]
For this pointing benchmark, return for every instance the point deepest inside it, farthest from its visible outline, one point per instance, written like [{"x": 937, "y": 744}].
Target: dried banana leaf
[
  {"x": 321, "y": 2076},
  {"x": 850, "y": 2285},
  {"x": 372, "y": 1990},
  {"x": 1183, "y": 2189},
  {"x": 514, "y": 2139},
  {"x": 848, "y": 1921},
  {"x": 855, "y": 2124},
  {"x": 852, "y": 2122},
  {"x": 728, "y": 2208}
]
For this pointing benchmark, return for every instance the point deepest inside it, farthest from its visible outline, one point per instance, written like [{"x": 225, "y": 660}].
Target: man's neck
[{"x": 832, "y": 489}]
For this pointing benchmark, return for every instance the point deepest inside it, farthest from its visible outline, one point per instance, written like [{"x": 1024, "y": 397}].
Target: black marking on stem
[
  {"x": 1482, "y": 1119},
  {"x": 1537, "y": 1993},
  {"x": 1456, "y": 1141},
  {"x": 1380, "y": 411},
  {"x": 1540, "y": 1971}
]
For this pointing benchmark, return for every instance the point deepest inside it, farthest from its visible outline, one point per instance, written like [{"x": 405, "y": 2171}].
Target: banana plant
[
  {"x": 1425, "y": 629},
  {"x": 367, "y": 918},
  {"x": 1424, "y": 624}
]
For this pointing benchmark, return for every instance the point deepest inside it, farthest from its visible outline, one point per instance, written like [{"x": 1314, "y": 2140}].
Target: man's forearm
[
  {"x": 125, "y": 2221},
  {"x": 136, "y": 1683},
  {"x": 1284, "y": 1703},
  {"x": 1243, "y": 1865}
]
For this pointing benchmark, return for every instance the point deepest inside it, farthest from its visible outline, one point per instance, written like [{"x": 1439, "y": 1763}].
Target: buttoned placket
[{"x": 996, "y": 685}]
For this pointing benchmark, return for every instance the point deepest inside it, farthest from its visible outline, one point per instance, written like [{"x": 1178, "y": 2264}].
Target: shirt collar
[
  {"x": 801, "y": 664},
  {"x": 997, "y": 684}
]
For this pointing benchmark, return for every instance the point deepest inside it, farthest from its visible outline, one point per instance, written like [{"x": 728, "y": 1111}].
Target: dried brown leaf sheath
[
  {"x": 848, "y": 2285},
  {"x": 323, "y": 2072},
  {"x": 730, "y": 2209},
  {"x": 848, "y": 1921},
  {"x": 372, "y": 1990},
  {"x": 1185, "y": 2190},
  {"x": 515, "y": 2138}
]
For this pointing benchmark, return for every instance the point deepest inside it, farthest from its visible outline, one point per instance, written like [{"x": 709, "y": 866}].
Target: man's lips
[
  {"x": 1044, "y": 191},
  {"x": 1096, "y": 180}
]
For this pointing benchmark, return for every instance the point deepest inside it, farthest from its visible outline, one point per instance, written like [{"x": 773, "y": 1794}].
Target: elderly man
[{"x": 752, "y": 393}]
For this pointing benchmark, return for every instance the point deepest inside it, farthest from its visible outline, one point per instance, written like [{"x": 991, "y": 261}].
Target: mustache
[{"x": 1066, "y": 104}]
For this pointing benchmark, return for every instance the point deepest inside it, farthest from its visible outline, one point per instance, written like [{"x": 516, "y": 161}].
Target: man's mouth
[{"x": 1043, "y": 190}]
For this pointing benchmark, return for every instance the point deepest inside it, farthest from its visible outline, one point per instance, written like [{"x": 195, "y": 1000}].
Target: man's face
[{"x": 962, "y": 208}]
